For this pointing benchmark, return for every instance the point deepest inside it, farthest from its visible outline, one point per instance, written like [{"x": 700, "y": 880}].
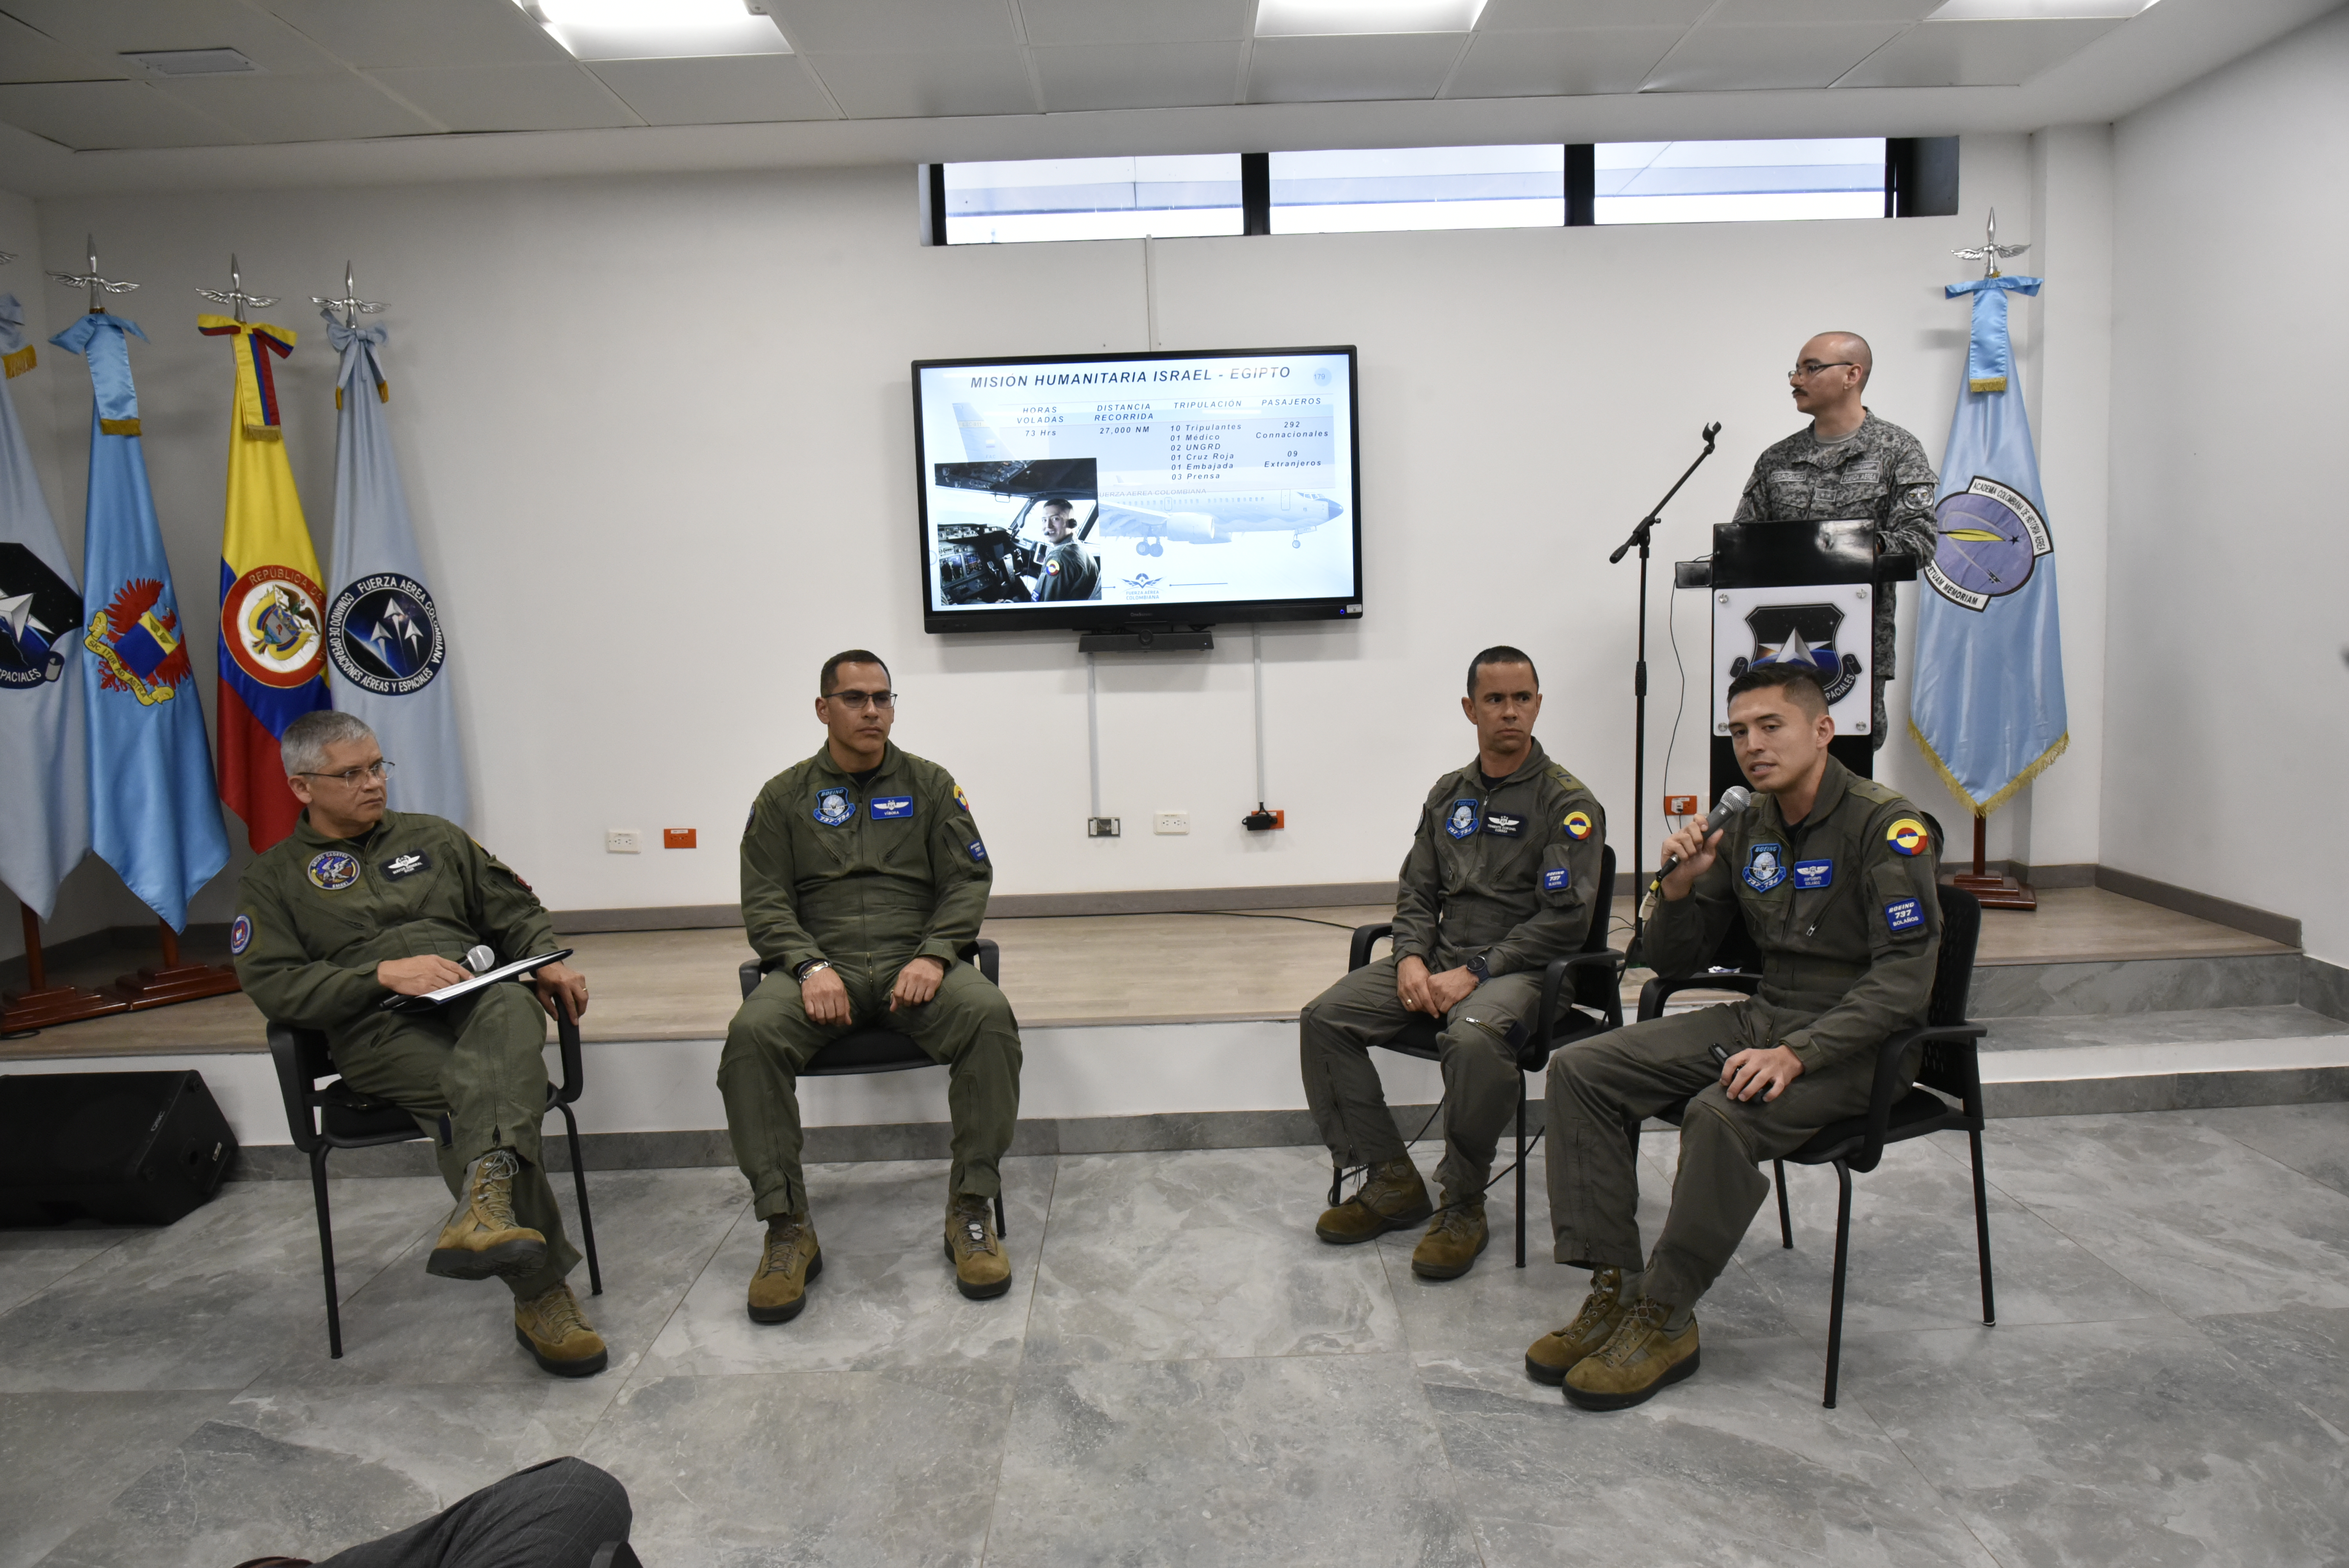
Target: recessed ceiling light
[
  {"x": 1325, "y": 19},
  {"x": 659, "y": 29},
  {"x": 193, "y": 62},
  {"x": 2040, "y": 10}
]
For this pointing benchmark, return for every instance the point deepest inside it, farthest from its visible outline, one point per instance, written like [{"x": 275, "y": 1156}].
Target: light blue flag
[
  {"x": 1989, "y": 708},
  {"x": 155, "y": 816},
  {"x": 43, "y": 766},
  {"x": 383, "y": 631}
]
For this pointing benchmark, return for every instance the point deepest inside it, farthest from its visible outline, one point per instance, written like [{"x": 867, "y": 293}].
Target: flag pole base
[
  {"x": 1992, "y": 892},
  {"x": 173, "y": 980},
  {"x": 41, "y": 1005}
]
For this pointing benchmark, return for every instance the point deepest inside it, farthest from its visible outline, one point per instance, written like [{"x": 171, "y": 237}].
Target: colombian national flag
[{"x": 272, "y": 631}]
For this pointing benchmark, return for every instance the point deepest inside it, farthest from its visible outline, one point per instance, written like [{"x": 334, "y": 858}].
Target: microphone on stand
[
  {"x": 1733, "y": 799},
  {"x": 480, "y": 960}
]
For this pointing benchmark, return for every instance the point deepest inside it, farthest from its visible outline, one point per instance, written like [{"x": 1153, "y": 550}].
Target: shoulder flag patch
[
  {"x": 1908, "y": 835},
  {"x": 1578, "y": 825}
]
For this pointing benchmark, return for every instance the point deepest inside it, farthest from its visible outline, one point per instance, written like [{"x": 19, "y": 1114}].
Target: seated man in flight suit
[
  {"x": 361, "y": 901},
  {"x": 1502, "y": 877},
  {"x": 863, "y": 883},
  {"x": 1833, "y": 875}
]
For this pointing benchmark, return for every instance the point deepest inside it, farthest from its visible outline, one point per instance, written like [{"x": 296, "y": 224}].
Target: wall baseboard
[{"x": 2284, "y": 928}]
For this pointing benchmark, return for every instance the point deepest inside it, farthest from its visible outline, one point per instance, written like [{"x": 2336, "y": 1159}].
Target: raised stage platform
[{"x": 1157, "y": 1031}]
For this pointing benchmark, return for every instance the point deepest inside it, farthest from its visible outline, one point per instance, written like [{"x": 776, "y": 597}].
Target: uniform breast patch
[
  {"x": 977, "y": 851},
  {"x": 240, "y": 933},
  {"x": 331, "y": 870},
  {"x": 833, "y": 806},
  {"x": 1766, "y": 867},
  {"x": 406, "y": 865},
  {"x": 1813, "y": 873},
  {"x": 892, "y": 808},
  {"x": 1462, "y": 820},
  {"x": 1577, "y": 825},
  {"x": 1908, "y": 835},
  {"x": 1500, "y": 825},
  {"x": 1556, "y": 882},
  {"x": 1904, "y": 915}
]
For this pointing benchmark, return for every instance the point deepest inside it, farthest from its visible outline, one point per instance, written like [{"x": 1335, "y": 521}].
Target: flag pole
[
  {"x": 2000, "y": 892},
  {"x": 40, "y": 1004},
  {"x": 174, "y": 981}
]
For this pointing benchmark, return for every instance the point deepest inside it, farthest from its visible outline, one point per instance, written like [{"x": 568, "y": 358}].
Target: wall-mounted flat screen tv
[{"x": 1103, "y": 490}]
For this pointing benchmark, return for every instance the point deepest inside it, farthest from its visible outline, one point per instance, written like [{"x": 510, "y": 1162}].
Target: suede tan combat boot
[
  {"x": 558, "y": 1336},
  {"x": 1452, "y": 1243},
  {"x": 1637, "y": 1360},
  {"x": 981, "y": 1271},
  {"x": 1393, "y": 1198},
  {"x": 1549, "y": 1359},
  {"x": 787, "y": 1265},
  {"x": 481, "y": 1238}
]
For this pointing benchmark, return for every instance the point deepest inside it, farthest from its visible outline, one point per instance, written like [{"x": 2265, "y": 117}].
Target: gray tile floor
[{"x": 1183, "y": 1375}]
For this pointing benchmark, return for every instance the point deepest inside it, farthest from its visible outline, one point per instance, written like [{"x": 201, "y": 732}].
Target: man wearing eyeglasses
[
  {"x": 863, "y": 883},
  {"x": 360, "y": 902},
  {"x": 1849, "y": 466}
]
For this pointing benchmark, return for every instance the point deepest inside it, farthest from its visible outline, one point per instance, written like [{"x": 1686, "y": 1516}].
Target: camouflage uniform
[{"x": 1878, "y": 474}]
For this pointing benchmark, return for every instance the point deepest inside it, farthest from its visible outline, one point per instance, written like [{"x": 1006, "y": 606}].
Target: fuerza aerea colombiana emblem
[{"x": 385, "y": 635}]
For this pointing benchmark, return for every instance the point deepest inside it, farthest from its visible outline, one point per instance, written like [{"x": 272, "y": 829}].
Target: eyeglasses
[
  {"x": 351, "y": 777},
  {"x": 854, "y": 701},
  {"x": 1810, "y": 367}
]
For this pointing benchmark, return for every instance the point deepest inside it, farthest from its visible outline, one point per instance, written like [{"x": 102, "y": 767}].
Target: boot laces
[
  {"x": 558, "y": 1314},
  {"x": 1632, "y": 1335},
  {"x": 493, "y": 1187},
  {"x": 1460, "y": 1220},
  {"x": 970, "y": 1219},
  {"x": 782, "y": 1242},
  {"x": 1596, "y": 1306}
]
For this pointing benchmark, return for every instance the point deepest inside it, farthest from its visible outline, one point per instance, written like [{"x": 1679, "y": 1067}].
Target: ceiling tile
[
  {"x": 1800, "y": 13},
  {"x": 1138, "y": 76},
  {"x": 30, "y": 56},
  {"x": 1713, "y": 60},
  {"x": 909, "y": 86},
  {"x": 110, "y": 27},
  {"x": 299, "y": 108},
  {"x": 1133, "y": 21},
  {"x": 1549, "y": 15},
  {"x": 1544, "y": 65},
  {"x": 1331, "y": 70},
  {"x": 368, "y": 33},
  {"x": 718, "y": 90},
  {"x": 1974, "y": 54},
  {"x": 509, "y": 98},
  {"x": 85, "y": 116},
  {"x": 871, "y": 27}
]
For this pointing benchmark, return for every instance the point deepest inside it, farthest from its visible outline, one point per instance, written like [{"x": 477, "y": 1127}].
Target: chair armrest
[
  {"x": 1657, "y": 992},
  {"x": 753, "y": 970},
  {"x": 989, "y": 957},
  {"x": 1365, "y": 938},
  {"x": 567, "y": 1039},
  {"x": 293, "y": 1084}
]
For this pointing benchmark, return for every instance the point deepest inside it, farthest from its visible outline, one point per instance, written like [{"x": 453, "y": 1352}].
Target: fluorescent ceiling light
[
  {"x": 659, "y": 29},
  {"x": 1325, "y": 19},
  {"x": 2039, "y": 10},
  {"x": 193, "y": 62}
]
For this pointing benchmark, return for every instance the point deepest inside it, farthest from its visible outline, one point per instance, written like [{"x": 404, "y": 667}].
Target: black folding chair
[
  {"x": 880, "y": 1049},
  {"x": 1896, "y": 1110},
  {"x": 333, "y": 1115},
  {"x": 1596, "y": 975}
]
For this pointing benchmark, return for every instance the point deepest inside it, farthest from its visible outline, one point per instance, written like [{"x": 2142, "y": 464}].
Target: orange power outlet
[
  {"x": 679, "y": 839},
  {"x": 1679, "y": 805}
]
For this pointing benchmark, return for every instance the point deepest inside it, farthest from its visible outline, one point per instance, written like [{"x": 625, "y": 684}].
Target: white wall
[
  {"x": 658, "y": 436},
  {"x": 2225, "y": 680}
]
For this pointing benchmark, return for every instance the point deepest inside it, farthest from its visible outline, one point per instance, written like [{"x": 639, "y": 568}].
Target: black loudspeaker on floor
[{"x": 138, "y": 1149}]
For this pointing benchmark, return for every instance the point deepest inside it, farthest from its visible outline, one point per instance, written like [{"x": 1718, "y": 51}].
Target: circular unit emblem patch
[
  {"x": 273, "y": 623},
  {"x": 1909, "y": 836},
  {"x": 1578, "y": 824},
  {"x": 331, "y": 871},
  {"x": 240, "y": 933},
  {"x": 961, "y": 800},
  {"x": 384, "y": 635}
]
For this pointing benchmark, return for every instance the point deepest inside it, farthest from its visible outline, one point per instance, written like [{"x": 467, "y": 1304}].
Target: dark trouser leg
[
  {"x": 1481, "y": 1078},
  {"x": 770, "y": 1040},
  {"x": 553, "y": 1515},
  {"x": 968, "y": 1025},
  {"x": 1334, "y": 1037}
]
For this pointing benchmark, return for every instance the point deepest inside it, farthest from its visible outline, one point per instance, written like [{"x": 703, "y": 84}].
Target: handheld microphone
[
  {"x": 480, "y": 960},
  {"x": 1733, "y": 799}
]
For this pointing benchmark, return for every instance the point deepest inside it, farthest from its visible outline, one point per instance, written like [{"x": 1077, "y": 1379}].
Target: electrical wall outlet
[
  {"x": 623, "y": 841},
  {"x": 1171, "y": 822},
  {"x": 1103, "y": 827}
]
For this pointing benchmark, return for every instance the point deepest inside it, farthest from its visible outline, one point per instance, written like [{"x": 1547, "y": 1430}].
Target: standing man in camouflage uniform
[
  {"x": 863, "y": 883},
  {"x": 1850, "y": 466},
  {"x": 1833, "y": 875},
  {"x": 361, "y": 902},
  {"x": 1502, "y": 877},
  {"x": 1071, "y": 571}
]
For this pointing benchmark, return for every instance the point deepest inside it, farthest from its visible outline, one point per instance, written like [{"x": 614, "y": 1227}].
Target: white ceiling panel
[
  {"x": 721, "y": 90},
  {"x": 106, "y": 28},
  {"x": 369, "y": 33},
  {"x": 1974, "y": 54},
  {"x": 509, "y": 98},
  {"x": 898, "y": 87},
  {"x": 1138, "y": 76},
  {"x": 89, "y": 115},
  {"x": 1548, "y": 16},
  {"x": 1329, "y": 70},
  {"x": 1812, "y": 13},
  {"x": 27, "y": 56},
  {"x": 1746, "y": 59},
  {"x": 1133, "y": 21},
  {"x": 299, "y": 108},
  {"x": 876, "y": 26},
  {"x": 1535, "y": 64}
]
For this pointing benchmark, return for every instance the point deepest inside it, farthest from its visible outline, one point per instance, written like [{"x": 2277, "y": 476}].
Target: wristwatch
[
  {"x": 1478, "y": 967},
  {"x": 810, "y": 967}
]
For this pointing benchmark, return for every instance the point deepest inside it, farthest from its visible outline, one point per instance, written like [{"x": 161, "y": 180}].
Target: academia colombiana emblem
[
  {"x": 274, "y": 625},
  {"x": 384, "y": 635},
  {"x": 1989, "y": 539}
]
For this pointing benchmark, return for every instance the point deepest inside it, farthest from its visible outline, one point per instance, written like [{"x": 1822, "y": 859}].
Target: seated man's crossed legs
[
  {"x": 1335, "y": 1033},
  {"x": 1637, "y": 1330},
  {"x": 969, "y": 1027}
]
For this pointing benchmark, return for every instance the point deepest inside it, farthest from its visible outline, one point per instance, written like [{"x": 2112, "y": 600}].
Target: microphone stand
[{"x": 1640, "y": 537}]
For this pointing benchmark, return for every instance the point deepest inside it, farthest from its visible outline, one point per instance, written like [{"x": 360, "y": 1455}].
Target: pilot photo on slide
[{"x": 1070, "y": 569}]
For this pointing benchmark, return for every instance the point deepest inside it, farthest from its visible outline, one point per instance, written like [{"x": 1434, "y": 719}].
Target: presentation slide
[{"x": 1223, "y": 477}]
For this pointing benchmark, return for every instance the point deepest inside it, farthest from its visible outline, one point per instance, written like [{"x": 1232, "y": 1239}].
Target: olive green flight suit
[
  {"x": 316, "y": 915},
  {"x": 1510, "y": 873},
  {"x": 869, "y": 876},
  {"x": 1844, "y": 909},
  {"x": 1070, "y": 572}
]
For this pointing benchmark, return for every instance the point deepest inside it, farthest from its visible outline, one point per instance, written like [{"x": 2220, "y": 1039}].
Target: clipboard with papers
[{"x": 463, "y": 988}]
